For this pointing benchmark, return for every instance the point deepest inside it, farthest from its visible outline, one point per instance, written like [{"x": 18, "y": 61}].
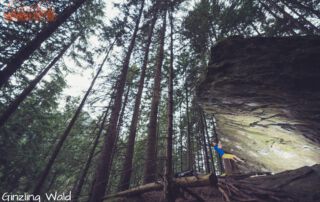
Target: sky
[{"x": 78, "y": 81}]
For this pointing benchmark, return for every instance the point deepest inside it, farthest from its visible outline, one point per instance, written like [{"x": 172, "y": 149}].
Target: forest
[{"x": 105, "y": 97}]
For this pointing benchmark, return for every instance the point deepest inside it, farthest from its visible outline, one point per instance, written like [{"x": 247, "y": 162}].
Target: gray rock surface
[{"x": 265, "y": 96}]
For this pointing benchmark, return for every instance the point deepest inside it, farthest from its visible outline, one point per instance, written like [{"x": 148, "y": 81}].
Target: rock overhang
[{"x": 265, "y": 96}]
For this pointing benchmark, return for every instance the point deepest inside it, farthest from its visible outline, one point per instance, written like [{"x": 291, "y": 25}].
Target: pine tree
[
  {"x": 127, "y": 165},
  {"x": 102, "y": 172},
  {"x": 62, "y": 138},
  {"x": 24, "y": 94},
  {"x": 168, "y": 191},
  {"x": 24, "y": 53},
  {"x": 150, "y": 167}
]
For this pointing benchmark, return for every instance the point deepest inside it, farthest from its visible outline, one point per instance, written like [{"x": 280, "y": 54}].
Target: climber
[{"x": 222, "y": 154}]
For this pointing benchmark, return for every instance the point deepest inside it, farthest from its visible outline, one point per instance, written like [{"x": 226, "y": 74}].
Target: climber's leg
[{"x": 232, "y": 157}]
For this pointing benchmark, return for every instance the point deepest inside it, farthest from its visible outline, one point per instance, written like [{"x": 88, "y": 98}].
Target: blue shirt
[{"x": 218, "y": 150}]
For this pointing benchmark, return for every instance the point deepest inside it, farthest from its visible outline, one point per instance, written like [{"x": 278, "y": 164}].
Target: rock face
[{"x": 265, "y": 96}]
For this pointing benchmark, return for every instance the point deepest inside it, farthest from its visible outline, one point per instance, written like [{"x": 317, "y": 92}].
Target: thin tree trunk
[
  {"x": 290, "y": 18},
  {"x": 219, "y": 159},
  {"x": 103, "y": 171},
  {"x": 150, "y": 167},
  {"x": 255, "y": 29},
  {"x": 189, "y": 146},
  {"x": 76, "y": 190},
  {"x": 52, "y": 181},
  {"x": 209, "y": 140},
  {"x": 275, "y": 16},
  {"x": 78, "y": 185},
  {"x": 58, "y": 146},
  {"x": 304, "y": 7},
  {"x": 168, "y": 195},
  {"x": 127, "y": 165},
  {"x": 13, "y": 106},
  {"x": 205, "y": 144},
  {"x": 198, "y": 156},
  {"x": 119, "y": 125},
  {"x": 316, "y": 29},
  {"x": 181, "y": 144},
  {"x": 24, "y": 53}
]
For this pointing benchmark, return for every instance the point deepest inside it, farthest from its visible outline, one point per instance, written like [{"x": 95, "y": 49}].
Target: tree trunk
[
  {"x": 209, "y": 141},
  {"x": 120, "y": 122},
  {"x": 205, "y": 144},
  {"x": 189, "y": 146},
  {"x": 150, "y": 167},
  {"x": 67, "y": 131},
  {"x": 193, "y": 181},
  {"x": 219, "y": 159},
  {"x": 290, "y": 18},
  {"x": 275, "y": 16},
  {"x": 24, "y": 53},
  {"x": 127, "y": 165},
  {"x": 119, "y": 125},
  {"x": 304, "y": 7},
  {"x": 13, "y": 106},
  {"x": 181, "y": 144},
  {"x": 168, "y": 195},
  {"x": 102, "y": 171},
  {"x": 316, "y": 29},
  {"x": 78, "y": 185},
  {"x": 255, "y": 28}
]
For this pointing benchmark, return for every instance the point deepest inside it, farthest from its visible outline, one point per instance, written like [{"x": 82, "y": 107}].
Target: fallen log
[{"x": 193, "y": 181}]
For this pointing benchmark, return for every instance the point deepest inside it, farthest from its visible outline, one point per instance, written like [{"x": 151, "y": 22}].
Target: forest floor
[{"x": 294, "y": 185}]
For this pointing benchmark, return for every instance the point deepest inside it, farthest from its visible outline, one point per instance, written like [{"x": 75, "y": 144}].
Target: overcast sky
[{"x": 79, "y": 81}]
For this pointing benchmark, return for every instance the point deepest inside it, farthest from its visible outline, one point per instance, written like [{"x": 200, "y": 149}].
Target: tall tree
[
  {"x": 127, "y": 164},
  {"x": 24, "y": 53},
  {"x": 102, "y": 171},
  {"x": 168, "y": 195},
  {"x": 189, "y": 143},
  {"x": 58, "y": 146},
  {"x": 76, "y": 190},
  {"x": 13, "y": 106},
  {"x": 204, "y": 142},
  {"x": 150, "y": 166}
]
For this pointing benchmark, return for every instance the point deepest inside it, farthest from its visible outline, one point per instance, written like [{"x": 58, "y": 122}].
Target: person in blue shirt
[{"x": 222, "y": 154}]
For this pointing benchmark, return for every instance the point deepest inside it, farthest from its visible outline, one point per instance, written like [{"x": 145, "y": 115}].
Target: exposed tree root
[
  {"x": 230, "y": 187},
  {"x": 234, "y": 190}
]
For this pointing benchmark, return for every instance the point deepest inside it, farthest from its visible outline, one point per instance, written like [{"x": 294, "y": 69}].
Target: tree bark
[
  {"x": 181, "y": 144},
  {"x": 150, "y": 167},
  {"x": 215, "y": 134},
  {"x": 168, "y": 195},
  {"x": 103, "y": 171},
  {"x": 209, "y": 141},
  {"x": 189, "y": 145},
  {"x": 13, "y": 106},
  {"x": 24, "y": 53},
  {"x": 78, "y": 185},
  {"x": 119, "y": 125},
  {"x": 58, "y": 146},
  {"x": 205, "y": 144},
  {"x": 193, "y": 181},
  {"x": 127, "y": 165}
]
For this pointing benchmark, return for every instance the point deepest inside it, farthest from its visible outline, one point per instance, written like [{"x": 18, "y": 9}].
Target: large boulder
[{"x": 265, "y": 96}]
